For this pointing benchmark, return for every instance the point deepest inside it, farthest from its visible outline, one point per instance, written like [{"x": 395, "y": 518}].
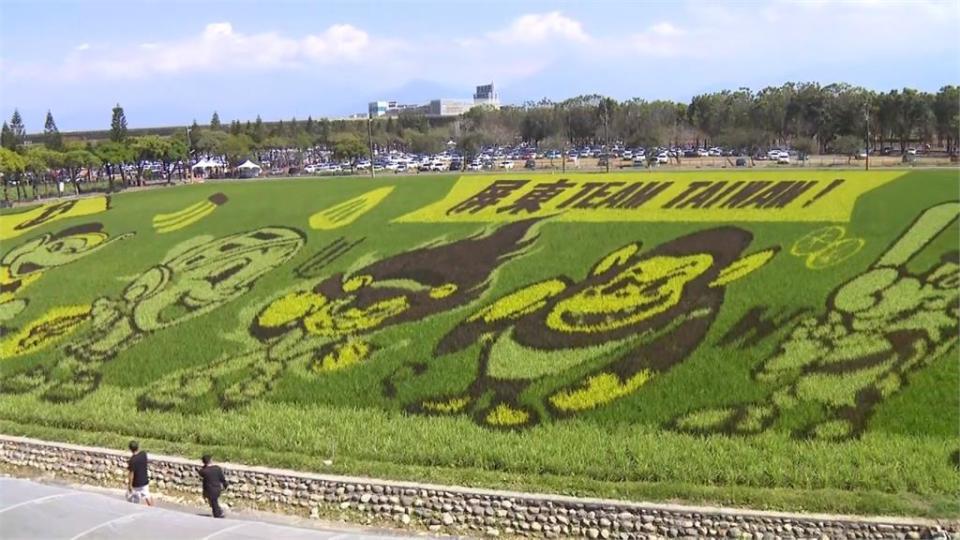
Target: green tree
[
  {"x": 212, "y": 143},
  {"x": 41, "y": 163},
  {"x": 215, "y": 121},
  {"x": 913, "y": 111},
  {"x": 805, "y": 146},
  {"x": 51, "y": 135},
  {"x": 259, "y": 133},
  {"x": 114, "y": 156},
  {"x": 349, "y": 148},
  {"x": 74, "y": 161},
  {"x": 147, "y": 148},
  {"x": 426, "y": 143},
  {"x": 118, "y": 125},
  {"x": 847, "y": 145},
  {"x": 12, "y": 166},
  {"x": 18, "y": 132},
  {"x": 237, "y": 148},
  {"x": 538, "y": 124},
  {"x": 6, "y": 137},
  {"x": 946, "y": 110},
  {"x": 175, "y": 153},
  {"x": 470, "y": 146},
  {"x": 194, "y": 132}
]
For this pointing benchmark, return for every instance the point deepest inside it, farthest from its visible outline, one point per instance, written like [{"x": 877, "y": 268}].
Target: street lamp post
[{"x": 370, "y": 143}]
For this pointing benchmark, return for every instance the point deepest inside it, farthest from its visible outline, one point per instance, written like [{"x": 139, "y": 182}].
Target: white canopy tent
[
  {"x": 248, "y": 169},
  {"x": 205, "y": 167}
]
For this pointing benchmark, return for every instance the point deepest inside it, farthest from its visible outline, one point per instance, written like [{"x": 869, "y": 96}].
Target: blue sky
[{"x": 170, "y": 62}]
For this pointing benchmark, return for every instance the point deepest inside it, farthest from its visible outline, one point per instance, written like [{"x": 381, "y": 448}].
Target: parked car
[
  {"x": 741, "y": 162},
  {"x": 639, "y": 162},
  {"x": 911, "y": 151},
  {"x": 506, "y": 164},
  {"x": 703, "y": 153},
  {"x": 783, "y": 158},
  {"x": 662, "y": 158}
]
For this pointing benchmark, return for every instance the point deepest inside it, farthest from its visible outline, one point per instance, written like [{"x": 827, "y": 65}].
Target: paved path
[{"x": 30, "y": 510}]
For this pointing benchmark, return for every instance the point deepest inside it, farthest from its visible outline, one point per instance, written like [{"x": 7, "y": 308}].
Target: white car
[
  {"x": 506, "y": 164},
  {"x": 773, "y": 155},
  {"x": 475, "y": 166},
  {"x": 703, "y": 153},
  {"x": 715, "y": 152},
  {"x": 783, "y": 158},
  {"x": 663, "y": 158},
  {"x": 438, "y": 166},
  {"x": 911, "y": 151}
]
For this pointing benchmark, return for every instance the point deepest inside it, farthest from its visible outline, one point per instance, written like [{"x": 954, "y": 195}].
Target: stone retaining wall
[{"x": 463, "y": 511}]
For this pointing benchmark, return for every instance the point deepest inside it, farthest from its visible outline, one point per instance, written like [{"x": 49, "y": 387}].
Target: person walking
[
  {"x": 138, "y": 480},
  {"x": 214, "y": 482}
]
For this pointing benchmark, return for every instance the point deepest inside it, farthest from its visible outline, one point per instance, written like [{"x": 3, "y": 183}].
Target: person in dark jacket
[
  {"x": 138, "y": 479},
  {"x": 213, "y": 484}
]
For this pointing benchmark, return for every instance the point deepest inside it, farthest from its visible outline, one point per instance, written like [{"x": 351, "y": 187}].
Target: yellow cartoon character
[
  {"x": 195, "y": 278},
  {"x": 327, "y": 327},
  {"x": 24, "y": 265},
  {"x": 560, "y": 347}
]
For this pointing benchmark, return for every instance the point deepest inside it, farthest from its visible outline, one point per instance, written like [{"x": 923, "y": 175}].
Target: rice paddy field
[{"x": 773, "y": 339}]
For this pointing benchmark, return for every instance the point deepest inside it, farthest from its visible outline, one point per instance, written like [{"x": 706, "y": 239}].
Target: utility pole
[
  {"x": 370, "y": 143},
  {"x": 563, "y": 143},
  {"x": 606, "y": 134},
  {"x": 866, "y": 147}
]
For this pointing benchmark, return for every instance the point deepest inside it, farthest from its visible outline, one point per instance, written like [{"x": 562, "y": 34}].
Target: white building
[
  {"x": 487, "y": 96},
  {"x": 448, "y": 107}
]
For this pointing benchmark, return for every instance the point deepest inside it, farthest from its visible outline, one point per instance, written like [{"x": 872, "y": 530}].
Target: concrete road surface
[{"x": 34, "y": 511}]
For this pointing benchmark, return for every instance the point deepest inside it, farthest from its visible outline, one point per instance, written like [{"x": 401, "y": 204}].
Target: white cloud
[
  {"x": 217, "y": 48},
  {"x": 541, "y": 27},
  {"x": 665, "y": 40},
  {"x": 665, "y": 29}
]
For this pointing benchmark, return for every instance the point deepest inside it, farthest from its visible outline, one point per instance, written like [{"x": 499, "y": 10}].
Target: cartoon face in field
[
  {"x": 637, "y": 293},
  {"x": 559, "y": 347},
  {"x": 877, "y": 327},
  {"x": 206, "y": 276},
  {"x": 25, "y": 263},
  {"x": 325, "y": 328},
  {"x": 14, "y": 225},
  {"x": 195, "y": 278}
]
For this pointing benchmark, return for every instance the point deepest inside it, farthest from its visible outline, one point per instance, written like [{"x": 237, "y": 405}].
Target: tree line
[{"x": 812, "y": 118}]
